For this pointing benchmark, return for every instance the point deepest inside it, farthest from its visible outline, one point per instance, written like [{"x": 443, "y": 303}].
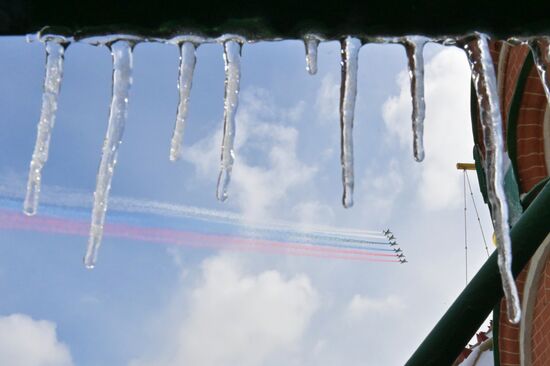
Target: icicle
[
  {"x": 121, "y": 52},
  {"x": 311, "y": 42},
  {"x": 540, "y": 47},
  {"x": 55, "y": 50},
  {"x": 185, "y": 79},
  {"x": 232, "y": 59},
  {"x": 484, "y": 79},
  {"x": 348, "y": 91},
  {"x": 414, "y": 46}
]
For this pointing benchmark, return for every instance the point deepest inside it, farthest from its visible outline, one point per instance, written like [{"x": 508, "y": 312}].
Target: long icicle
[
  {"x": 311, "y": 43},
  {"x": 540, "y": 48},
  {"x": 185, "y": 80},
  {"x": 55, "y": 50},
  {"x": 348, "y": 91},
  {"x": 121, "y": 52},
  {"x": 414, "y": 47},
  {"x": 484, "y": 80},
  {"x": 232, "y": 59}
]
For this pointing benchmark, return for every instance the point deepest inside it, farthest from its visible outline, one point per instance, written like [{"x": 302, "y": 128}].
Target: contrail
[
  {"x": 67, "y": 212},
  {"x": 54, "y": 198},
  {"x": 15, "y": 220}
]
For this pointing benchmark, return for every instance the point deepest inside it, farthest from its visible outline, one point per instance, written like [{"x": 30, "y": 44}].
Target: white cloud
[
  {"x": 447, "y": 126},
  {"x": 313, "y": 212},
  {"x": 28, "y": 342},
  {"x": 378, "y": 193},
  {"x": 240, "y": 319},
  {"x": 328, "y": 99},
  {"x": 361, "y": 305}
]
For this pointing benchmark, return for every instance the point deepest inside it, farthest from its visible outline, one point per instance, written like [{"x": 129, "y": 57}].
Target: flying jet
[
  {"x": 386, "y": 232},
  {"x": 398, "y": 250},
  {"x": 391, "y": 237},
  {"x": 393, "y": 242},
  {"x": 401, "y": 255},
  {"x": 403, "y": 261}
]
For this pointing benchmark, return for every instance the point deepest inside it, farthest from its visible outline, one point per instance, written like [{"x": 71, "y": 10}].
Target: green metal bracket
[{"x": 532, "y": 194}]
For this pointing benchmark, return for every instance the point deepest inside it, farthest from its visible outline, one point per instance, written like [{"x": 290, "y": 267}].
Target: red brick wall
[
  {"x": 508, "y": 334},
  {"x": 530, "y": 144},
  {"x": 540, "y": 341},
  {"x": 512, "y": 67}
]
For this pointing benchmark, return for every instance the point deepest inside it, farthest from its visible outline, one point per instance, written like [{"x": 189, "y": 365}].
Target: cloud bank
[
  {"x": 28, "y": 342},
  {"x": 239, "y": 318}
]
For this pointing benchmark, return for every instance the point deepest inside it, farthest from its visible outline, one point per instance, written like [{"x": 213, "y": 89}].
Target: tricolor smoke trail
[{"x": 156, "y": 222}]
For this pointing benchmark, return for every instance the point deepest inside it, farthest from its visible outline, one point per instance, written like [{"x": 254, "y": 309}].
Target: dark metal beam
[
  {"x": 281, "y": 18},
  {"x": 452, "y": 333}
]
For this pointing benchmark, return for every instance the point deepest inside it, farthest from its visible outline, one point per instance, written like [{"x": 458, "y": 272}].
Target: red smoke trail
[{"x": 18, "y": 221}]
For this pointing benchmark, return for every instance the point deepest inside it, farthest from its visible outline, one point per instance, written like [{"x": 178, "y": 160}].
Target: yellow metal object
[
  {"x": 494, "y": 239},
  {"x": 465, "y": 166}
]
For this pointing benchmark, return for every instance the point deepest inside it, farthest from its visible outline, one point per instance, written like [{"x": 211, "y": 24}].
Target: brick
[
  {"x": 526, "y": 155},
  {"x": 524, "y": 132},
  {"x": 509, "y": 358},
  {"x": 528, "y": 161},
  {"x": 530, "y": 116},
  {"x": 540, "y": 342}
]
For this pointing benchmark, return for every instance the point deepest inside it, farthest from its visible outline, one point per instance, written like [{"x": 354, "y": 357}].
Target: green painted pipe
[
  {"x": 452, "y": 333},
  {"x": 271, "y": 19}
]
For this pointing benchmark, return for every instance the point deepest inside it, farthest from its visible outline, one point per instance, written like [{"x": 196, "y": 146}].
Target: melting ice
[
  {"x": 348, "y": 92},
  {"x": 55, "y": 50},
  {"x": 121, "y": 52},
  {"x": 311, "y": 42},
  {"x": 185, "y": 79},
  {"x": 414, "y": 46},
  {"x": 540, "y": 48},
  {"x": 484, "y": 79},
  {"x": 232, "y": 59}
]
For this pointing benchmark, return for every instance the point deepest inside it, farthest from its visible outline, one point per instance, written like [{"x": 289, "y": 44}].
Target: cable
[
  {"x": 465, "y": 228},
  {"x": 477, "y": 214}
]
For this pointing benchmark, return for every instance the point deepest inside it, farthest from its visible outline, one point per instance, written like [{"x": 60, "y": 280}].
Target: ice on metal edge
[
  {"x": 185, "y": 80},
  {"x": 350, "y": 47},
  {"x": 540, "y": 48},
  {"x": 311, "y": 42},
  {"x": 110, "y": 39},
  {"x": 45, "y": 34},
  {"x": 55, "y": 50},
  {"x": 121, "y": 52},
  {"x": 484, "y": 79},
  {"x": 192, "y": 38},
  {"x": 232, "y": 60},
  {"x": 414, "y": 46}
]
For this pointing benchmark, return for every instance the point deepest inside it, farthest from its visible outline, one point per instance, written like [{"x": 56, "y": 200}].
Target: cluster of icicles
[{"x": 476, "y": 47}]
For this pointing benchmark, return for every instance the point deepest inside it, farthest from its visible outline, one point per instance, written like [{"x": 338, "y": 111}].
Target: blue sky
[{"x": 150, "y": 304}]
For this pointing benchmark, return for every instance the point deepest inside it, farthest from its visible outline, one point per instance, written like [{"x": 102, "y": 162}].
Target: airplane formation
[{"x": 393, "y": 242}]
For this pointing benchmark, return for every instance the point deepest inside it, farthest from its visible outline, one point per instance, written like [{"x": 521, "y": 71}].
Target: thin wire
[
  {"x": 477, "y": 214},
  {"x": 465, "y": 228}
]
